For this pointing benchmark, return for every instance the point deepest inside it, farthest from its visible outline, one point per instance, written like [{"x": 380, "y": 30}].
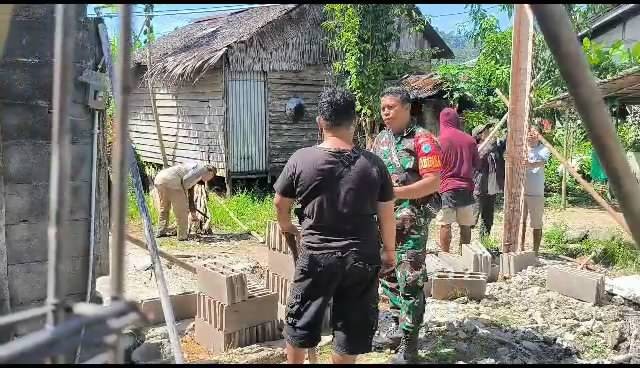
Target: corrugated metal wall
[{"x": 247, "y": 122}]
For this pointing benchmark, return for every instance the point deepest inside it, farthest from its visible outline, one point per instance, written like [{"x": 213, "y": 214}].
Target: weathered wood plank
[
  {"x": 152, "y": 155},
  {"x": 174, "y": 132},
  {"x": 207, "y": 122},
  {"x": 194, "y": 144},
  {"x": 214, "y": 104}
]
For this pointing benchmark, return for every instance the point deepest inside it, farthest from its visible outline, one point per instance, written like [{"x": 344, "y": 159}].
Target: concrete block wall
[{"x": 26, "y": 82}]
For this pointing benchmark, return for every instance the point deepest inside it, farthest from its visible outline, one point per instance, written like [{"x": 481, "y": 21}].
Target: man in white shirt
[
  {"x": 175, "y": 188},
  {"x": 537, "y": 157}
]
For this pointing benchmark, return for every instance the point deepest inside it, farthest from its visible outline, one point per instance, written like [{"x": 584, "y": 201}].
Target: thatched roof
[
  {"x": 276, "y": 37},
  {"x": 192, "y": 49}
]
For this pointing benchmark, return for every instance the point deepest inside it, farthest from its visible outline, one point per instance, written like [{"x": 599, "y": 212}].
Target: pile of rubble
[{"x": 521, "y": 321}]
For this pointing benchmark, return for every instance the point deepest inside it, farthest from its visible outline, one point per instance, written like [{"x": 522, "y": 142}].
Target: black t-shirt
[{"x": 338, "y": 191}]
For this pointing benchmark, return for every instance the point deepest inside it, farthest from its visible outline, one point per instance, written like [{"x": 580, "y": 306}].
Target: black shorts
[{"x": 351, "y": 283}]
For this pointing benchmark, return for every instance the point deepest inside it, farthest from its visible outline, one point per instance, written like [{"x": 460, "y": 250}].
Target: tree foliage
[
  {"x": 362, "y": 37},
  {"x": 492, "y": 68}
]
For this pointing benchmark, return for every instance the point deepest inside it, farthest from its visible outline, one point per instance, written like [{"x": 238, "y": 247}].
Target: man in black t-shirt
[{"x": 341, "y": 190}]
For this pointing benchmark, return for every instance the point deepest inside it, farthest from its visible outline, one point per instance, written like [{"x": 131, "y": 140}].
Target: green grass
[
  {"x": 252, "y": 208},
  {"x": 616, "y": 252},
  {"x": 490, "y": 242}
]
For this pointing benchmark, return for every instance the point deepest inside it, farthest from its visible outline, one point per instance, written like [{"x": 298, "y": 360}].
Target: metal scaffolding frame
[
  {"x": 103, "y": 324},
  {"x": 68, "y": 325}
]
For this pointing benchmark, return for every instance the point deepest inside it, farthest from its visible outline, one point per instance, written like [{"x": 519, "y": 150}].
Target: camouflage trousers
[{"x": 405, "y": 285}]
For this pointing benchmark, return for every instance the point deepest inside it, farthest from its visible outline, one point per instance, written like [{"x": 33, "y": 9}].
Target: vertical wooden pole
[
  {"x": 565, "y": 147},
  {"x": 152, "y": 97},
  {"x": 517, "y": 125}
]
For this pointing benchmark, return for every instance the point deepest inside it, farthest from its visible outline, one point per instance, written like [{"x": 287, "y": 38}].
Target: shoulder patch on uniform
[{"x": 426, "y": 148}]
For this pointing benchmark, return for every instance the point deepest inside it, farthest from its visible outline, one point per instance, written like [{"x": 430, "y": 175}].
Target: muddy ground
[{"x": 519, "y": 321}]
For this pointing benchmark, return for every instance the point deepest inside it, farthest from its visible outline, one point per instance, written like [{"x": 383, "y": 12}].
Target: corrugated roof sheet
[
  {"x": 624, "y": 87},
  {"x": 422, "y": 85}
]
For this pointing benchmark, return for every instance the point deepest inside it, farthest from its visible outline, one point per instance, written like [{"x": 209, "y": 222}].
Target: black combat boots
[
  {"x": 408, "y": 349},
  {"x": 389, "y": 339}
]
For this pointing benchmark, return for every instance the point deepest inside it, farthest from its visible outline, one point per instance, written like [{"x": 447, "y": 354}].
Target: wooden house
[{"x": 222, "y": 85}]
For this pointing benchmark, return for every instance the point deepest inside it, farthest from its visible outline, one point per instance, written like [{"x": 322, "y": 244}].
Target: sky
[{"x": 445, "y": 17}]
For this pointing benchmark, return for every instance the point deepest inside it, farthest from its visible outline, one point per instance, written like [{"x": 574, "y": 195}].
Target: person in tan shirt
[{"x": 174, "y": 186}]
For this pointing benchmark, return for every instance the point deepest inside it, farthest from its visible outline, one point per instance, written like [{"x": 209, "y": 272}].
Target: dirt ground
[{"x": 246, "y": 253}]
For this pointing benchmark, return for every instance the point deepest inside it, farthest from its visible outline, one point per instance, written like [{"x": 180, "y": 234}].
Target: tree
[{"x": 362, "y": 35}]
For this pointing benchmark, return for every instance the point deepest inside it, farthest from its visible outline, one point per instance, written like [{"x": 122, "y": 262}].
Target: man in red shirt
[{"x": 459, "y": 158}]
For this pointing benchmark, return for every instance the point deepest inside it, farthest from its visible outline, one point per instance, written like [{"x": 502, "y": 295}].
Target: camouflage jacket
[{"x": 409, "y": 156}]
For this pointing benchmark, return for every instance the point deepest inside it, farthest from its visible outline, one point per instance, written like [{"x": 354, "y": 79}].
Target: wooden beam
[
  {"x": 154, "y": 108},
  {"x": 517, "y": 121}
]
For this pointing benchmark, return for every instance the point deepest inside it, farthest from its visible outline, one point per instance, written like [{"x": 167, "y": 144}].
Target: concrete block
[
  {"x": 260, "y": 307},
  {"x": 25, "y": 241},
  {"x": 454, "y": 261},
  {"x": 221, "y": 282},
  {"x": 493, "y": 275},
  {"x": 217, "y": 341},
  {"x": 433, "y": 264},
  {"x": 476, "y": 258},
  {"x": 275, "y": 240},
  {"x": 30, "y": 202},
  {"x": 184, "y": 307},
  {"x": 281, "y": 263},
  {"x": 34, "y": 11},
  {"x": 27, "y": 281},
  {"x": 578, "y": 284},
  {"x": 452, "y": 285},
  {"x": 29, "y": 163},
  {"x": 514, "y": 262},
  {"x": 30, "y": 122}
]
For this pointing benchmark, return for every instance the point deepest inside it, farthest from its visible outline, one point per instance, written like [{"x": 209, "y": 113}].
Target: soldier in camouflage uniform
[{"x": 412, "y": 156}]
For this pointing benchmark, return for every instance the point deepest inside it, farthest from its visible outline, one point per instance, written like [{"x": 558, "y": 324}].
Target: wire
[
  {"x": 178, "y": 12},
  {"x": 464, "y": 12}
]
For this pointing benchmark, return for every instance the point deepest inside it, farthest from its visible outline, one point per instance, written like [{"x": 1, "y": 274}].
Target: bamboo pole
[{"x": 587, "y": 187}]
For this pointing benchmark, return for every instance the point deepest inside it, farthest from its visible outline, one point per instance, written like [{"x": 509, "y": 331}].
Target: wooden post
[
  {"x": 565, "y": 147},
  {"x": 517, "y": 123},
  {"x": 152, "y": 97}
]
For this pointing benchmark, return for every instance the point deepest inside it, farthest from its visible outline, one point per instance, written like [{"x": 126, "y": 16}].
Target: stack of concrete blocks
[
  {"x": 230, "y": 312},
  {"x": 448, "y": 285},
  {"x": 514, "y": 262},
  {"x": 476, "y": 258},
  {"x": 281, "y": 271},
  {"x": 575, "y": 283}
]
